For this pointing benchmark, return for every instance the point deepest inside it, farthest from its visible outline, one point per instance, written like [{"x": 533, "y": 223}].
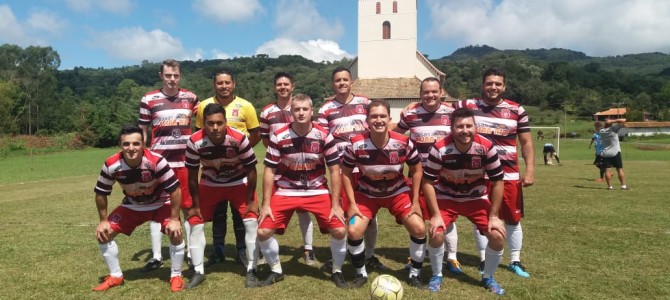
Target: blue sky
[{"x": 114, "y": 33}]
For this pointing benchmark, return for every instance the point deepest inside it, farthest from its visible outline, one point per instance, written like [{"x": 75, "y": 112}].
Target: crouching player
[
  {"x": 151, "y": 193},
  {"x": 455, "y": 174},
  {"x": 380, "y": 155},
  {"x": 228, "y": 174},
  {"x": 297, "y": 153}
]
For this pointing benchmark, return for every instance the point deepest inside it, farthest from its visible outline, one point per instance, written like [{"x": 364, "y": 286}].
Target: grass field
[{"x": 581, "y": 241}]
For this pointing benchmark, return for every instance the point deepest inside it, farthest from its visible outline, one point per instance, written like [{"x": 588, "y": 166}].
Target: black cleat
[
  {"x": 415, "y": 282},
  {"x": 251, "y": 280},
  {"x": 197, "y": 279},
  {"x": 189, "y": 263},
  {"x": 214, "y": 259},
  {"x": 373, "y": 264},
  {"x": 272, "y": 279},
  {"x": 242, "y": 257},
  {"x": 359, "y": 281},
  {"x": 327, "y": 267},
  {"x": 152, "y": 264},
  {"x": 339, "y": 281}
]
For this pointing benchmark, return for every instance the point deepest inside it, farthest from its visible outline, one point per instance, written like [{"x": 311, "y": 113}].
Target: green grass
[{"x": 581, "y": 241}]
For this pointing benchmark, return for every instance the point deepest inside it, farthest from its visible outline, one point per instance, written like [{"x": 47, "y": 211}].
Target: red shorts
[
  {"x": 477, "y": 211},
  {"x": 400, "y": 206},
  {"x": 210, "y": 197},
  {"x": 299, "y": 210},
  {"x": 125, "y": 220},
  {"x": 511, "y": 210},
  {"x": 284, "y": 206},
  {"x": 182, "y": 176},
  {"x": 344, "y": 200}
]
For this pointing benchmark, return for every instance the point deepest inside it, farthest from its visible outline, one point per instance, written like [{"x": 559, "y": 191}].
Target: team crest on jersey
[
  {"x": 314, "y": 147},
  {"x": 444, "y": 119},
  {"x": 236, "y": 112},
  {"x": 394, "y": 158},
  {"x": 505, "y": 113},
  {"x": 476, "y": 162},
  {"x": 230, "y": 152},
  {"x": 184, "y": 103},
  {"x": 146, "y": 176},
  {"x": 360, "y": 109},
  {"x": 176, "y": 133}
]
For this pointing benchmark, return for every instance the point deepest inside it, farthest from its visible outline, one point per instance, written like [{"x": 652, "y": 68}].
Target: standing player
[
  {"x": 549, "y": 153},
  {"x": 503, "y": 121},
  {"x": 380, "y": 154},
  {"x": 344, "y": 116},
  {"x": 598, "y": 162},
  {"x": 612, "y": 151},
  {"x": 428, "y": 122},
  {"x": 455, "y": 170},
  {"x": 151, "y": 192},
  {"x": 298, "y": 153},
  {"x": 240, "y": 115},
  {"x": 273, "y": 117},
  {"x": 168, "y": 111},
  {"x": 228, "y": 174}
]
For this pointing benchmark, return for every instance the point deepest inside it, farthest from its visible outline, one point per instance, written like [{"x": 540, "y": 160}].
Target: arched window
[
  {"x": 386, "y": 30},
  {"x": 379, "y": 7},
  {"x": 395, "y": 7}
]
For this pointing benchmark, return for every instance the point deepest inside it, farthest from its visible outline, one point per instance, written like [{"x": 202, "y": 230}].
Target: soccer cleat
[
  {"x": 189, "y": 263},
  {"x": 624, "y": 187},
  {"x": 310, "y": 258},
  {"x": 373, "y": 264},
  {"x": 359, "y": 281},
  {"x": 152, "y": 264},
  {"x": 327, "y": 267},
  {"x": 415, "y": 281},
  {"x": 454, "y": 266},
  {"x": 491, "y": 285},
  {"x": 176, "y": 283},
  {"x": 339, "y": 281},
  {"x": 273, "y": 278},
  {"x": 196, "y": 280},
  {"x": 251, "y": 279},
  {"x": 481, "y": 267},
  {"x": 242, "y": 257},
  {"x": 518, "y": 269},
  {"x": 108, "y": 283},
  {"x": 434, "y": 283},
  {"x": 214, "y": 259},
  {"x": 609, "y": 188}
]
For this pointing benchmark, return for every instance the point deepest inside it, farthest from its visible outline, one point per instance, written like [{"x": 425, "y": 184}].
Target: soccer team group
[{"x": 461, "y": 158}]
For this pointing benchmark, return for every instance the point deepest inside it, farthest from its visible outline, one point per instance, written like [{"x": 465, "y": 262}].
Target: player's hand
[
  {"x": 252, "y": 207},
  {"x": 416, "y": 209},
  {"x": 194, "y": 211},
  {"x": 103, "y": 232},
  {"x": 527, "y": 180},
  {"x": 265, "y": 212},
  {"x": 353, "y": 211},
  {"x": 496, "y": 224},
  {"x": 437, "y": 223},
  {"x": 173, "y": 229},
  {"x": 337, "y": 212}
]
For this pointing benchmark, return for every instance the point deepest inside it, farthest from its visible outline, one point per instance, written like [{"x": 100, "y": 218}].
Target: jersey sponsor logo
[
  {"x": 501, "y": 130},
  {"x": 236, "y": 112},
  {"x": 307, "y": 165},
  {"x": 505, "y": 113},
  {"x": 448, "y": 151},
  {"x": 394, "y": 157},
  {"x": 476, "y": 162},
  {"x": 315, "y": 147},
  {"x": 349, "y": 128},
  {"x": 176, "y": 133},
  {"x": 177, "y": 120},
  {"x": 396, "y": 145},
  {"x": 146, "y": 176},
  {"x": 479, "y": 151},
  {"x": 230, "y": 152},
  {"x": 173, "y": 142},
  {"x": 381, "y": 176}
]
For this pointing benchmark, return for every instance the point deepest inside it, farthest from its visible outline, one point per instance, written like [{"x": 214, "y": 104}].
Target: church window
[{"x": 386, "y": 30}]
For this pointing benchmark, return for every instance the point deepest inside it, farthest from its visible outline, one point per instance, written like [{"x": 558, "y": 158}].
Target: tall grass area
[{"x": 581, "y": 241}]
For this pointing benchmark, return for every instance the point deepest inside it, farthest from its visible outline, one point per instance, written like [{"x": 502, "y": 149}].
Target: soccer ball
[{"x": 386, "y": 287}]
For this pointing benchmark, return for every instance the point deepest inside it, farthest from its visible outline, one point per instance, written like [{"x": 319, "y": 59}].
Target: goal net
[{"x": 543, "y": 135}]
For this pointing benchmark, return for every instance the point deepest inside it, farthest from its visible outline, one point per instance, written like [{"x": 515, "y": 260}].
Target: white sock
[
  {"x": 187, "y": 236},
  {"x": 451, "y": 241},
  {"x": 176, "y": 258},
  {"x": 110, "y": 253},
  {"x": 492, "y": 260},
  {"x": 481, "y": 243},
  {"x": 370, "y": 236},
  {"x": 307, "y": 229},
  {"x": 156, "y": 239},
  {"x": 196, "y": 247},
  {"x": 251, "y": 227},
  {"x": 436, "y": 258},
  {"x": 270, "y": 249},
  {"x": 514, "y": 241},
  {"x": 417, "y": 247},
  {"x": 338, "y": 250}
]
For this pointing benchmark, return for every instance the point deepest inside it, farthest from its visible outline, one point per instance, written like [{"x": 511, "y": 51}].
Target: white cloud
[
  {"x": 79, "y": 5},
  {"x": 227, "y": 11},
  {"x": 122, "y": 7},
  {"x": 47, "y": 21},
  {"x": 14, "y": 32},
  {"x": 218, "y": 54},
  {"x": 299, "y": 19},
  {"x": 136, "y": 44},
  {"x": 316, "y": 50},
  {"x": 597, "y": 27}
]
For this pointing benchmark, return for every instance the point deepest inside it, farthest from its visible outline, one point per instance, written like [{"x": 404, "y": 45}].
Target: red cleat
[
  {"x": 177, "y": 283},
  {"x": 109, "y": 282}
]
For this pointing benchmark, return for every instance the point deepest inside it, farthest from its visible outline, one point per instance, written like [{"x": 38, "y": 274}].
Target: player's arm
[
  {"x": 103, "y": 232},
  {"x": 417, "y": 173},
  {"x": 591, "y": 143},
  {"x": 252, "y": 206},
  {"x": 173, "y": 228},
  {"x": 268, "y": 184},
  {"x": 145, "y": 134},
  {"x": 255, "y": 136},
  {"x": 335, "y": 189},
  {"x": 528, "y": 154},
  {"x": 266, "y": 141},
  {"x": 436, "y": 221},
  {"x": 495, "y": 196},
  {"x": 349, "y": 191},
  {"x": 193, "y": 188}
]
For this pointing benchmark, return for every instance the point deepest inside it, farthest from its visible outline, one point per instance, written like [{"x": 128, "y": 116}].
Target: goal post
[{"x": 552, "y": 134}]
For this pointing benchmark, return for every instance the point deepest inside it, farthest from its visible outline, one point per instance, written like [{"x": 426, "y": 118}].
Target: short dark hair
[
  {"x": 223, "y": 72},
  {"x": 338, "y": 70},
  {"x": 283, "y": 74},
  {"x": 461, "y": 113},
  {"x": 170, "y": 63},
  {"x": 429, "y": 79},
  {"x": 379, "y": 102},
  {"x": 211, "y": 109},
  {"x": 494, "y": 71},
  {"x": 130, "y": 129}
]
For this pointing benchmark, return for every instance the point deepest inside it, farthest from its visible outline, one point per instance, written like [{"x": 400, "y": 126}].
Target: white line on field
[{"x": 45, "y": 180}]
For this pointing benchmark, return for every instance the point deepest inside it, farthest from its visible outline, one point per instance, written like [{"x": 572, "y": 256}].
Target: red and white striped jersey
[
  {"x": 223, "y": 165},
  {"x": 501, "y": 124},
  {"x": 145, "y": 187},
  {"x": 462, "y": 176},
  {"x": 426, "y": 128},
  {"x": 344, "y": 121},
  {"x": 300, "y": 160},
  {"x": 381, "y": 169},
  {"x": 273, "y": 118},
  {"x": 170, "y": 120}
]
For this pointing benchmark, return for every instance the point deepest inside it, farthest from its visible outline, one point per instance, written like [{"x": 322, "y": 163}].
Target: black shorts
[{"x": 614, "y": 161}]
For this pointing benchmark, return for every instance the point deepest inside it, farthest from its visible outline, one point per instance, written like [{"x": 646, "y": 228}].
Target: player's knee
[
  {"x": 437, "y": 239},
  {"x": 264, "y": 234},
  {"x": 496, "y": 240},
  {"x": 176, "y": 240},
  {"x": 338, "y": 233}
]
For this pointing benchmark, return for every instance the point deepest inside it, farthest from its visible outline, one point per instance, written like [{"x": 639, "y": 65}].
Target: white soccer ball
[{"x": 386, "y": 287}]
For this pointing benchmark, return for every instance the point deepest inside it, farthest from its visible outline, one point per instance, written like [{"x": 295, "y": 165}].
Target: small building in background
[{"x": 617, "y": 113}]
